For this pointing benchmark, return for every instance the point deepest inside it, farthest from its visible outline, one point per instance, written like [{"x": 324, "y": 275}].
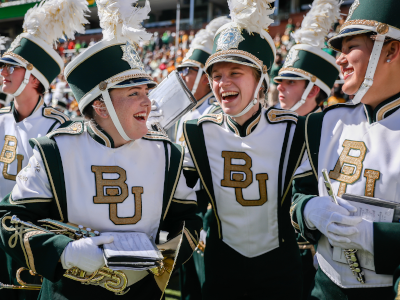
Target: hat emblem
[
  {"x": 15, "y": 44},
  {"x": 353, "y": 7},
  {"x": 229, "y": 38},
  {"x": 291, "y": 58},
  {"x": 131, "y": 56}
]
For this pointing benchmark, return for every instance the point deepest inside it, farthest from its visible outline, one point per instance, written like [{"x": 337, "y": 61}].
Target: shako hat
[
  {"x": 201, "y": 48},
  {"x": 114, "y": 61},
  {"x": 306, "y": 60},
  {"x": 246, "y": 40},
  {"x": 44, "y": 24},
  {"x": 378, "y": 17}
]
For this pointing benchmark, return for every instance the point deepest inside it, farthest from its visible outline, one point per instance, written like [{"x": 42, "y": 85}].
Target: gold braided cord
[
  {"x": 364, "y": 22},
  {"x": 240, "y": 52},
  {"x": 16, "y": 56}
]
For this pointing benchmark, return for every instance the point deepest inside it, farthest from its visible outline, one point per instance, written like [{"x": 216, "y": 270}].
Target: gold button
[
  {"x": 102, "y": 85},
  {"x": 273, "y": 116},
  {"x": 29, "y": 67},
  {"x": 382, "y": 28},
  {"x": 313, "y": 78}
]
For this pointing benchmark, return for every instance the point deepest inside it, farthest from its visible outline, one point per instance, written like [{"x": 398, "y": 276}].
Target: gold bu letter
[
  {"x": 114, "y": 191},
  {"x": 238, "y": 182},
  {"x": 8, "y": 155}
]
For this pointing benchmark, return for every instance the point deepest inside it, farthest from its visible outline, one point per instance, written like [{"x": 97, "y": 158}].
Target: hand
[
  {"x": 363, "y": 239},
  {"x": 85, "y": 253},
  {"x": 203, "y": 236},
  {"x": 155, "y": 116},
  {"x": 334, "y": 221}
]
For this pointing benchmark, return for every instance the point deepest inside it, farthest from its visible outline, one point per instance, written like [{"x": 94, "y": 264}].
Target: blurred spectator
[{"x": 337, "y": 95}]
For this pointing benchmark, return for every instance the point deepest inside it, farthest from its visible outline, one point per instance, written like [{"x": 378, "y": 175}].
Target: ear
[
  {"x": 314, "y": 92},
  {"x": 204, "y": 79},
  {"x": 393, "y": 50},
  {"x": 100, "y": 109}
]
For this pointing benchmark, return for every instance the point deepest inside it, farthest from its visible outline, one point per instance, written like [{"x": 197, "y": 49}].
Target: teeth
[
  {"x": 348, "y": 72},
  {"x": 140, "y": 115},
  {"x": 225, "y": 94}
]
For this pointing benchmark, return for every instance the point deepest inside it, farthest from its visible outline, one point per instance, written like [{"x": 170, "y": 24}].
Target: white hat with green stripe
[
  {"x": 114, "y": 61},
  {"x": 306, "y": 60},
  {"x": 44, "y": 24}
]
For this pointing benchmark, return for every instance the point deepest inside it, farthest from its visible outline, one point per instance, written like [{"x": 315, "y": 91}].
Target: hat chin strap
[
  {"x": 197, "y": 81},
  {"x": 23, "y": 83},
  {"x": 113, "y": 115},
  {"x": 369, "y": 75},
  {"x": 252, "y": 102},
  {"x": 303, "y": 97}
]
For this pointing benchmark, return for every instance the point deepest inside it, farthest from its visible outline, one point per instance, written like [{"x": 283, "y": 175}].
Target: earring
[{"x": 388, "y": 61}]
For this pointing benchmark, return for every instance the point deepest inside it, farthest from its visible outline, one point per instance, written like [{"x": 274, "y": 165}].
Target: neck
[
  {"x": 382, "y": 89},
  {"x": 201, "y": 94},
  {"x": 242, "y": 119},
  {"x": 307, "y": 107},
  {"x": 25, "y": 104},
  {"x": 108, "y": 126}
]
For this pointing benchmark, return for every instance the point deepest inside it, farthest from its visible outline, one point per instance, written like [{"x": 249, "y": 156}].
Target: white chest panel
[
  {"x": 369, "y": 166},
  {"x": 96, "y": 175},
  {"x": 250, "y": 230},
  {"x": 18, "y": 134}
]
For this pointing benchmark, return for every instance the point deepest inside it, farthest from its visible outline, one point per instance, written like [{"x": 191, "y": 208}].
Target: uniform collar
[
  {"x": 38, "y": 106},
  {"x": 248, "y": 127},
  {"x": 202, "y": 100},
  {"x": 383, "y": 110},
  {"x": 99, "y": 135}
]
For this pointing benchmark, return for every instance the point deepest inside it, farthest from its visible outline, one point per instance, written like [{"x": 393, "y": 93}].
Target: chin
[{"x": 138, "y": 133}]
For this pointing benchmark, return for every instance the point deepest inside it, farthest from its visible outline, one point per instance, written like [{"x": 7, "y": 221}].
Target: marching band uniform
[
  {"x": 135, "y": 187},
  {"x": 250, "y": 227},
  {"x": 358, "y": 147},
  {"x": 192, "y": 273},
  {"x": 307, "y": 61},
  {"x": 32, "y": 50}
]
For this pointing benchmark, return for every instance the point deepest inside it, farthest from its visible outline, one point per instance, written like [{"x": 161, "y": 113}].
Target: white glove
[
  {"x": 85, "y": 253},
  {"x": 155, "y": 116},
  {"x": 334, "y": 221},
  {"x": 203, "y": 236},
  {"x": 363, "y": 239}
]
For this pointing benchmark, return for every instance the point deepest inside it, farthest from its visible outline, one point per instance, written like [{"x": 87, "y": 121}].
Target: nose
[
  {"x": 4, "y": 72},
  {"x": 224, "y": 81},
  {"x": 342, "y": 59},
  {"x": 280, "y": 87}
]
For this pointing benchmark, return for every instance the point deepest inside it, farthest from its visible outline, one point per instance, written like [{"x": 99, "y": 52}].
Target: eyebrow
[
  {"x": 137, "y": 88},
  {"x": 234, "y": 68}
]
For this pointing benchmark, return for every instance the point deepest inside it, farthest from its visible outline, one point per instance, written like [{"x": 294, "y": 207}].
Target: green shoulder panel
[
  {"x": 216, "y": 109},
  {"x": 213, "y": 118},
  {"x": 156, "y": 136},
  {"x": 5, "y": 110}
]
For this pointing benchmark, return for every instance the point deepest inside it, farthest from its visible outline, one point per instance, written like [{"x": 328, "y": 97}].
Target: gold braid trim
[
  {"x": 359, "y": 22},
  {"x": 291, "y": 69},
  {"x": 240, "y": 52},
  {"x": 190, "y": 239},
  {"x": 28, "y": 248},
  {"x": 16, "y": 56},
  {"x": 295, "y": 225},
  {"x": 126, "y": 77}
]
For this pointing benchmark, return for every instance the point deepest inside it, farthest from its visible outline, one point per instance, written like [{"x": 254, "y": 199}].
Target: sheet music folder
[{"x": 131, "y": 250}]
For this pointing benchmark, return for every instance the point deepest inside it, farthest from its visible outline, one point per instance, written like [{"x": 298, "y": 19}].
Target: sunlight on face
[{"x": 290, "y": 92}]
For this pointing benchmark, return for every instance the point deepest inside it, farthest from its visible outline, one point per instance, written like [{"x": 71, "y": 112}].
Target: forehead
[{"x": 223, "y": 66}]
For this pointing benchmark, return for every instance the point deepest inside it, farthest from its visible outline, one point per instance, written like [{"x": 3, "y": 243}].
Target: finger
[
  {"x": 102, "y": 239},
  {"x": 341, "y": 229},
  {"x": 334, "y": 239},
  {"x": 346, "y": 205},
  {"x": 345, "y": 220}
]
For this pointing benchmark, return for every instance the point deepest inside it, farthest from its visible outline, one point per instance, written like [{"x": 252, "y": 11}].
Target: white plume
[
  {"x": 204, "y": 38},
  {"x": 121, "y": 20},
  {"x": 253, "y": 15},
  {"x": 317, "y": 23},
  {"x": 3, "y": 40},
  {"x": 54, "y": 19}
]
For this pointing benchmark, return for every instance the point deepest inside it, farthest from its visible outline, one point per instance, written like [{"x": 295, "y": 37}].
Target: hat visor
[
  {"x": 9, "y": 61},
  {"x": 135, "y": 82},
  {"x": 232, "y": 59},
  {"x": 287, "y": 76},
  {"x": 336, "y": 42}
]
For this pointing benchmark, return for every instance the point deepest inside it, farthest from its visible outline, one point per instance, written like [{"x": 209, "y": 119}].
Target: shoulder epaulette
[
  {"x": 52, "y": 113},
  {"x": 69, "y": 127},
  {"x": 275, "y": 115},
  {"x": 346, "y": 104},
  {"x": 5, "y": 109},
  {"x": 156, "y": 136},
  {"x": 214, "y": 118}
]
